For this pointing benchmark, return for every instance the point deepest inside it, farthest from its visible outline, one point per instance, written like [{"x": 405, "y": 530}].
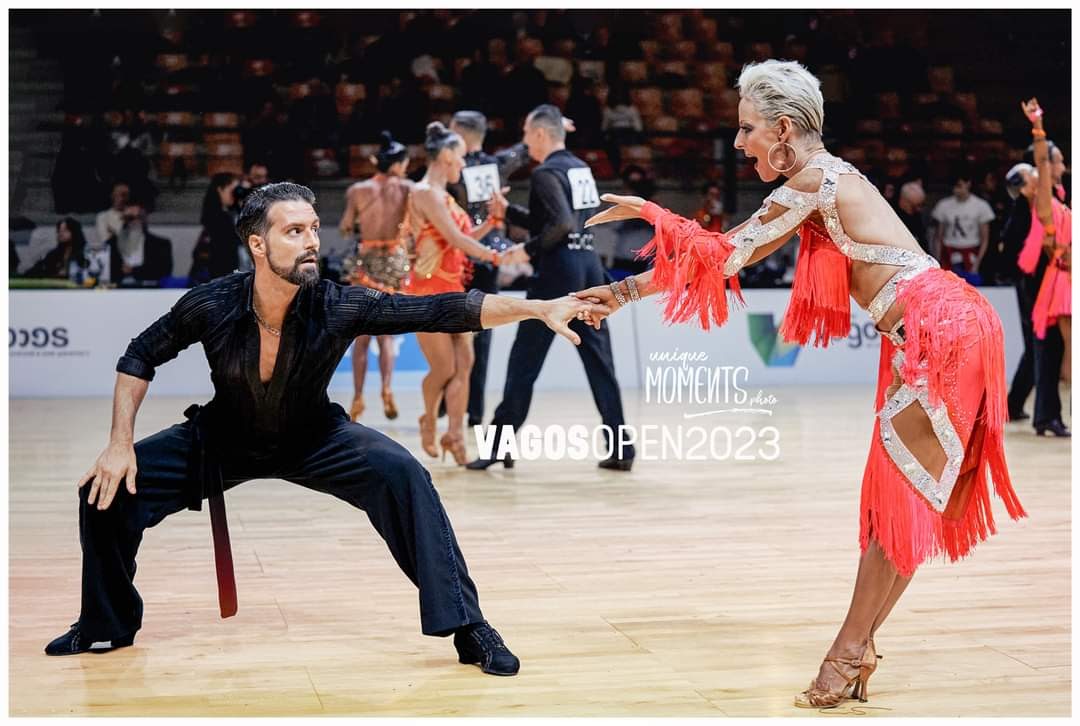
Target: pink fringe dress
[
  {"x": 1055, "y": 292},
  {"x": 948, "y": 349}
]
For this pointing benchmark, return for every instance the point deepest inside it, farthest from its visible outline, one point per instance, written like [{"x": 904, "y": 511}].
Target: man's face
[
  {"x": 258, "y": 175},
  {"x": 533, "y": 137},
  {"x": 120, "y": 196},
  {"x": 962, "y": 189},
  {"x": 292, "y": 242}
]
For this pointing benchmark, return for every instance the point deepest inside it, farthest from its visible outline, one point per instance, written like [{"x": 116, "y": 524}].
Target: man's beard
[{"x": 297, "y": 274}]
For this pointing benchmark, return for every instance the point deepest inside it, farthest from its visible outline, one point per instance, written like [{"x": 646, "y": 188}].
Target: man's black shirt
[{"x": 319, "y": 326}]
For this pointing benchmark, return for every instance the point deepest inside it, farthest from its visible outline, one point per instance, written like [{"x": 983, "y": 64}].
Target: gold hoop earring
[{"x": 768, "y": 157}]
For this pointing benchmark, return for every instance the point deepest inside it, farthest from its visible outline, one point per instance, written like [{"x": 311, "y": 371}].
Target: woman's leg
[
  {"x": 899, "y": 585},
  {"x": 386, "y": 360},
  {"x": 359, "y": 368},
  {"x": 457, "y": 390},
  {"x": 438, "y": 349},
  {"x": 359, "y": 363}
]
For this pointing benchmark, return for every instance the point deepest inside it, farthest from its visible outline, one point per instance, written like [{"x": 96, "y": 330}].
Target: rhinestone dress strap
[
  {"x": 886, "y": 296},
  {"x": 757, "y": 234}
]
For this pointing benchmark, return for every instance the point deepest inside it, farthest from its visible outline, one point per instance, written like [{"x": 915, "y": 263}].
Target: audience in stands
[
  {"x": 139, "y": 260},
  {"x": 218, "y": 251},
  {"x": 710, "y": 215},
  {"x": 909, "y": 207},
  {"x": 66, "y": 261},
  {"x": 963, "y": 227}
]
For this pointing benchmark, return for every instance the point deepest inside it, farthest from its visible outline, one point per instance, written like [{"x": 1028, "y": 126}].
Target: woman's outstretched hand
[{"x": 626, "y": 207}]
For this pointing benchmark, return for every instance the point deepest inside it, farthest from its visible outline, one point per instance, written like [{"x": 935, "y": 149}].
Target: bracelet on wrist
[
  {"x": 631, "y": 285},
  {"x": 1049, "y": 230},
  {"x": 619, "y": 297}
]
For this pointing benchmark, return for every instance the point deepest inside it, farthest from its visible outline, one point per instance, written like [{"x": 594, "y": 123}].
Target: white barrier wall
[{"x": 65, "y": 343}]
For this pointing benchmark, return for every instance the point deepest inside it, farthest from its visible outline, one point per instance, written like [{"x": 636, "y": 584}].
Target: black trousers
[
  {"x": 1040, "y": 366},
  {"x": 352, "y": 462},
  {"x": 484, "y": 278},
  {"x": 564, "y": 271}
]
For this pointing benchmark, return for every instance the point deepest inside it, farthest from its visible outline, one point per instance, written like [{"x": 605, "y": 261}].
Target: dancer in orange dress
[
  {"x": 941, "y": 406},
  {"x": 442, "y": 238},
  {"x": 1051, "y": 231},
  {"x": 374, "y": 209}
]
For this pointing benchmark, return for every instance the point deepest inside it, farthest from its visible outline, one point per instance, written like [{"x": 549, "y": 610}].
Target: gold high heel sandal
[
  {"x": 856, "y": 685},
  {"x": 427, "y": 435},
  {"x": 455, "y": 444},
  {"x": 389, "y": 408},
  {"x": 357, "y": 409}
]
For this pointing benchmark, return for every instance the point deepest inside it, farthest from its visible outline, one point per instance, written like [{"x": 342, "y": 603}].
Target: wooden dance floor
[{"x": 683, "y": 588}]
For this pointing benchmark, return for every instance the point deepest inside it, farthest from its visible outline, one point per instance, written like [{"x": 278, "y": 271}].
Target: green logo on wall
[{"x": 765, "y": 337}]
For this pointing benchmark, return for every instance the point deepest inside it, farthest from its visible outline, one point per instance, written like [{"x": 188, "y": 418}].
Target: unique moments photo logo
[{"x": 672, "y": 378}]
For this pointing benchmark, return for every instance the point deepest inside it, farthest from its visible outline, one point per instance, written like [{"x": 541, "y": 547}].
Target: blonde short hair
[{"x": 784, "y": 88}]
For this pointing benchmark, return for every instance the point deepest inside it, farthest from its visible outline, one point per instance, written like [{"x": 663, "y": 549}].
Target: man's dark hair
[
  {"x": 254, "y": 215},
  {"x": 964, "y": 175},
  {"x": 472, "y": 122},
  {"x": 549, "y": 118}
]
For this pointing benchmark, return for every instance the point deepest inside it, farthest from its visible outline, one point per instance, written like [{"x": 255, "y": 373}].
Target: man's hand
[
  {"x": 626, "y": 207},
  {"x": 558, "y": 313},
  {"x": 568, "y": 125},
  {"x": 116, "y": 463},
  {"x": 604, "y": 303}
]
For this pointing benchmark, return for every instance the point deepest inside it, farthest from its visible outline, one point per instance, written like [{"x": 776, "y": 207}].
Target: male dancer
[
  {"x": 273, "y": 339},
  {"x": 562, "y": 194},
  {"x": 374, "y": 209},
  {"x": 483, "y": 174}
]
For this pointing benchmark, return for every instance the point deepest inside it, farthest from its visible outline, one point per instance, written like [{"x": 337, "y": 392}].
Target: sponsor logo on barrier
[
  {"x": 765, "y": 337},
  {"x": 775, "y": 351},
  {"x": 41, "y": 341}
]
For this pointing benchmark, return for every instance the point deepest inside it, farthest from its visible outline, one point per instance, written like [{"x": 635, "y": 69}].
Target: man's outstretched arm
[{"x": 376, "y": 313}]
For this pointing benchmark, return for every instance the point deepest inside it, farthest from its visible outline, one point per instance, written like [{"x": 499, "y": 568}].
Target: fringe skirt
[{"x": 952, "y": 363}]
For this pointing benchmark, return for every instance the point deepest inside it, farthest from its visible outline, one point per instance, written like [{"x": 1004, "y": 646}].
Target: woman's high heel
[
  {"x": 389, "y": 408},
  {"x": 455, "y": 444},
  {"x": 855, "y": 686},
  {"x": 357, "y": 409},
  {"x": 427, "y": 435}
]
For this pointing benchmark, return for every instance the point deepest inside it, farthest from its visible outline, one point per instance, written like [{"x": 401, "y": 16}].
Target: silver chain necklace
[{"x": 272, "y": 330}]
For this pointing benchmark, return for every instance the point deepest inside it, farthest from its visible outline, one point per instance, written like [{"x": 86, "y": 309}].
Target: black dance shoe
[
  {"x": 74, "y": 642},
  {"x": 616, "y": 464},
  {"x": 1056, "y": 427},
  {"x": 481, "y": 464},
  {"x": 481, "y": 644},
  {"x": 1017, "y": 415}
]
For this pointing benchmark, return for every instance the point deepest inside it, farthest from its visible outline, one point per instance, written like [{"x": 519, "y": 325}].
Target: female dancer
[
  {"x": 374, "y": 209},
  {"x": 925, "y": 487},
  {"x": 442, "y": 235},
  {"x": 1051, "y": 231}
]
